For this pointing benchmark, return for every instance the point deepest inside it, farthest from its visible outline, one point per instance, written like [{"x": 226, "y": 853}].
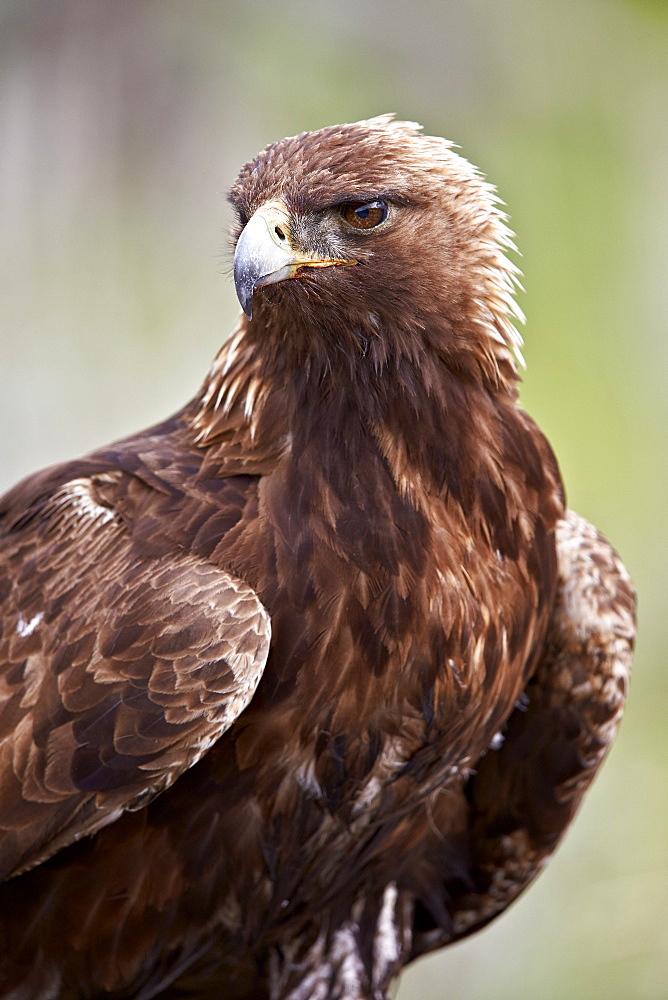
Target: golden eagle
[{"x": 310, "y": 678}]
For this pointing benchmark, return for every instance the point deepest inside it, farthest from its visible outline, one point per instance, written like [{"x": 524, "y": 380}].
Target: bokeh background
[{"x": 121, "y": 125}]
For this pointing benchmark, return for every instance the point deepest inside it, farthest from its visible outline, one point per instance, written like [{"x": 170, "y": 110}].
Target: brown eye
[{"x": 364, "y": 215}]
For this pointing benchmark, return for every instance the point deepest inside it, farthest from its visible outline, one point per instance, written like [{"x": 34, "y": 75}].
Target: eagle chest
[{"x": 372, "y": 620}]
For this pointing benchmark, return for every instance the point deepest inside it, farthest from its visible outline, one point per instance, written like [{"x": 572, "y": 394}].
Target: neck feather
[{"x": 424, "y": 418}]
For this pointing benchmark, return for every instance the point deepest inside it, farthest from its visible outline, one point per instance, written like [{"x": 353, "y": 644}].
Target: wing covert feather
[
  {"x": 525, "y": 794},
  {"x": 116, "y": 673}
]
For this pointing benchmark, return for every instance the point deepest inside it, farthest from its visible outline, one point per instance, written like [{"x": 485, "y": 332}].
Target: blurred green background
[{"x": 121, "y": 125}]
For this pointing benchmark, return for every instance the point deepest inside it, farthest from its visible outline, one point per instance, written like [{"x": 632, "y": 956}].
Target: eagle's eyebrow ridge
[{"x": 362, "y": 195}]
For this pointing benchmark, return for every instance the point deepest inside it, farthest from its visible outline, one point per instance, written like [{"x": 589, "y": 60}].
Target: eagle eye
[{"x": 364, "y": 215}]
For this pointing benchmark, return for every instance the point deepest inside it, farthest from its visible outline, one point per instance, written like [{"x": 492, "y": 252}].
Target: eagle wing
[
  {"x": 117, "y": 670},
  {"x": 526, "y": 789}
]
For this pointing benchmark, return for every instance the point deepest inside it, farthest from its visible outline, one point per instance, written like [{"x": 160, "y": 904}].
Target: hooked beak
[{"x": 265, "y": 255}]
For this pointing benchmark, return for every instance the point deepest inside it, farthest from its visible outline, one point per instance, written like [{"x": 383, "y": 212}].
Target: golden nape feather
[{"x": 309, "y": 679}]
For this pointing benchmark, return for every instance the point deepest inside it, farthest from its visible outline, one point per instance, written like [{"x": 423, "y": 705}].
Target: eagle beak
[{"x": 265, "y": 255}]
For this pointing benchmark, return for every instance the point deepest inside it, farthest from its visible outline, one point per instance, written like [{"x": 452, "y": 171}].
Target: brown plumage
[{"x": 310, "y": 678}]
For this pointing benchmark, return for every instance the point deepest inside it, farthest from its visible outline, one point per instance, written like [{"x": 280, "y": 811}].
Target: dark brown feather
[
  {"x": 357, "y": 470},
  {"x": 119, "y": 673}
]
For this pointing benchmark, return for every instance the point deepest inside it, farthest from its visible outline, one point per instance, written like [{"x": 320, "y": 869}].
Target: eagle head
[{"x": 372, "y": 231}]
